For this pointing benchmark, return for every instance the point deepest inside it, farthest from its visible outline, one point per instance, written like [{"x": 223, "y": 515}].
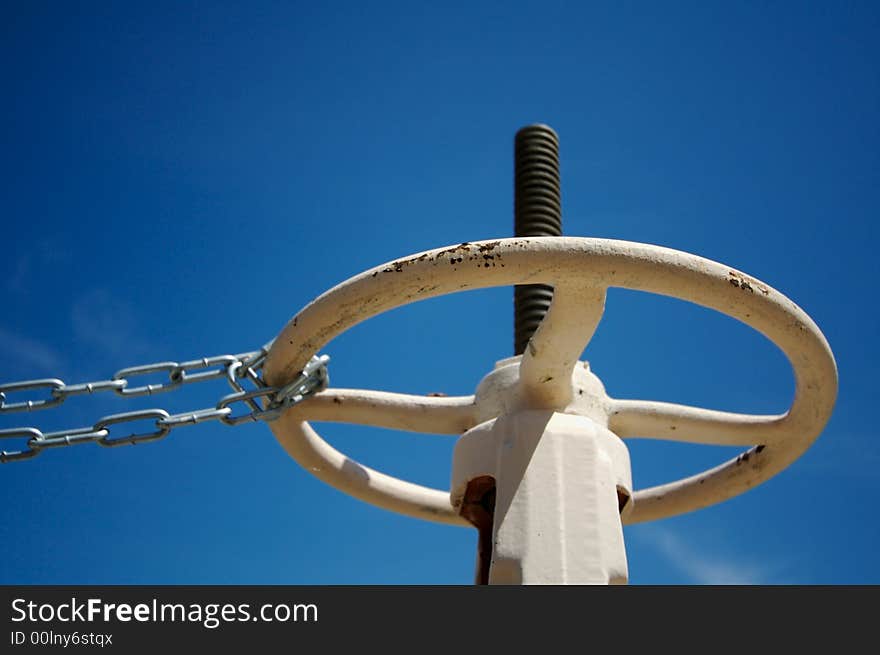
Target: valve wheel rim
[{"x": 580, "y": 270}]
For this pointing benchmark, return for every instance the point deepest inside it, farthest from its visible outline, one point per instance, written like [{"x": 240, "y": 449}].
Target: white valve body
[
  {"x": 556, "y": 518},
  {"x": 560, "y": 480}
]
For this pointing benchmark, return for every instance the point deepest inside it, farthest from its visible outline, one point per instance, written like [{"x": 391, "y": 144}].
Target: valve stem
[{"x": 537, "y": 212}]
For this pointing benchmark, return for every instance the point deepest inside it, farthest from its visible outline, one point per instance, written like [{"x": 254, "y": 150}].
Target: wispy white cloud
[
  {"x": 108, "y": 324},
  {"x": 29, "y": 353},
  {"x": 16, "y": 279},
  {"x": 700, "y": 566},
  {"x": 27, "y": 268}
]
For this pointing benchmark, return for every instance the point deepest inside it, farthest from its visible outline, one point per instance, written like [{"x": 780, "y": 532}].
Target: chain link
[{"x": 264, "y": 402}]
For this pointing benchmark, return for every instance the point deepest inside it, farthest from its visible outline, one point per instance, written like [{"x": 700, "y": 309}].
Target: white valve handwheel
[{"x": 580, "y": 270}]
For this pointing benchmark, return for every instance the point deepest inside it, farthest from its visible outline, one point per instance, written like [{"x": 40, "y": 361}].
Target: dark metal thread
[{"x": 537, "y": 212}]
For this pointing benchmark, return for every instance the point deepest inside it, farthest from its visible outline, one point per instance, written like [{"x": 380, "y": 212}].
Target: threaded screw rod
[{"x": 537, "y": 212}]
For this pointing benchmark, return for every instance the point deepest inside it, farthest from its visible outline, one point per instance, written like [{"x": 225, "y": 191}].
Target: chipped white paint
[{"x": 580, "y": 270}]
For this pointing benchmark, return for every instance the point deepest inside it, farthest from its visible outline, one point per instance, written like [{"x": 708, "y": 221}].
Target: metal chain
[{"x": 237, "y": 369}]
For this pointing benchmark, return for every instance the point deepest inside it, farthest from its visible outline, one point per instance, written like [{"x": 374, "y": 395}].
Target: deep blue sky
[{"x": 180, "y": 178}]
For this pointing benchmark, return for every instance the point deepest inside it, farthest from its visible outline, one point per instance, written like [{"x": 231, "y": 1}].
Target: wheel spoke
[
  {"x": 396, "y": 411},
  {"x": 657, "y": 420},
  {"x": 551, "y": 354}
]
